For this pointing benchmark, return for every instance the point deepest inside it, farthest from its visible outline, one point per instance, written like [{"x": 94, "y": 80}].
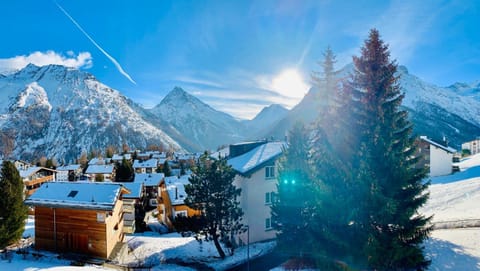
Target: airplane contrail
[{"x": 114, "y": 61}]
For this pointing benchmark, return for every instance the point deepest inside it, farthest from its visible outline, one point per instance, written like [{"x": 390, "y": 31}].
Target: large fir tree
[
  {"x": 293, "y": 203},
  {"x": 12, "y": 210},
  {"x": 211, "y": 190},
  {"x": 393, "y": 188}
]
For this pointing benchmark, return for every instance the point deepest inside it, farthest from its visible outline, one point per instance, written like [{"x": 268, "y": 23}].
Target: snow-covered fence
[{"x": 455, "y": 224}]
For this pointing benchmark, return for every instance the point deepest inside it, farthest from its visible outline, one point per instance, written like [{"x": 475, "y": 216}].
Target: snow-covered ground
[{"x": 454, "y": 201}]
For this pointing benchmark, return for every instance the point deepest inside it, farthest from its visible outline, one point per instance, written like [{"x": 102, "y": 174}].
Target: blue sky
[{"x": 238, "y": 56}]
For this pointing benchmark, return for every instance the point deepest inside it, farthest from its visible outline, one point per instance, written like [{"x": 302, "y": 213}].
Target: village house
[
  {"x": 118, "y": 158},
  {"x": 435, "y": 156},
  {"x": 472, "y": 146},
  {"x": 97, "y": 161},
  {"x": 255, "y": 164},
  {"x": 68, "y": 173},
  {"x": 148, "y": 166},
  {"x": 33, "y": 177},
  {"x": 79, "y": 217},
  {"x": 107, "y": 171},
  {"x": 171, "y": 201},
  {"x": 151, "y": 186}
]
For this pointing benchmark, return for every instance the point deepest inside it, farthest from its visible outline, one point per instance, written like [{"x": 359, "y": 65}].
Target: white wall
[
  {"x": 440, "y": 161},
  {"x": 252, "y": 202}
]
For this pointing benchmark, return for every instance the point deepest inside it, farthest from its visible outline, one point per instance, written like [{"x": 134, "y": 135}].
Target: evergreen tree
[
  {"x": 182, "y": 168},
  {"x": 292, "y": 205},
  {"x": 328, "y": 84},
  {"x": 211, "y": 190},
  {"x": 392, "y": 186},
  {"x": 166, "y": 169},
  {"x": 334, "y": 235},
  {"x": 12, "y": 210},
  {"x": 124, "y": 172}
]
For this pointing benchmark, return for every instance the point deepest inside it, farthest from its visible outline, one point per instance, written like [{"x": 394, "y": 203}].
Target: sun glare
[{"x": 290, "y": 84}]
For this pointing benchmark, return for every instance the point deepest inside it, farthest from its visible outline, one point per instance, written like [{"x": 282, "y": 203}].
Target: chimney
[{"x": 176, "y": 193}]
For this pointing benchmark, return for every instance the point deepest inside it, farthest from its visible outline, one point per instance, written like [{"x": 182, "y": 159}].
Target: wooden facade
[
  {"x": 84, "y": 218},
  {"x": 167, "y": 211},
  {"x": 91, "y": 232}
]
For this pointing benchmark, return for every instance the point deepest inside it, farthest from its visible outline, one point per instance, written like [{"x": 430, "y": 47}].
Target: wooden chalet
[
  {"x": 33, "y": 177},
  {"x": 172, "y": 200},
  {"x": 78, "y": 217}
]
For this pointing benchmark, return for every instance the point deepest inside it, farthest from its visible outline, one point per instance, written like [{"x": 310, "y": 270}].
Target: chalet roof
[
  {"x": 149, "y": 179},
  {"x": 77, "y": 195},
  {"x": 99, "y": 169},
  {"x": 69, "y": 167},
  {"x": 96, "y": 161},
  {"x": 438, "y": 145},
  {"x": 119, "y": 157},
  {"x": 150, "y": 163},
  {"x": 257, "y": 157},
  {"x": 176, "y": 189},
  {"x": 135, "y": 190},
  {"x": 32, "y": 170}
]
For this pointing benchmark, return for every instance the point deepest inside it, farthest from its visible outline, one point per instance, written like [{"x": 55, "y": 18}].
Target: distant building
[
  {"x": 472, "y": 146},
  {"x": 151, "y": 186},
  {"x": 108, "y": 172},
  {"x": 33, "y": 177},
  {"x": 68, "y": 173},
  {"x": 437, "y": 157},
  {"x": 148, "y": 166}
]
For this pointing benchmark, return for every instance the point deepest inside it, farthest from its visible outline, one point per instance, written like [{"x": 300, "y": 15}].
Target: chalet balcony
[
  {"x": 38, "y": 180},
  {"x": 128, "y": 208}
]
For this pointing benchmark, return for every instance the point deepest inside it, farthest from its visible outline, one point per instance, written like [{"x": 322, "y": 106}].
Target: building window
[
  {"x": 269, "y": 198},
  {"x": 269, "y": 172},
  {"x": 268, "y": 224}
]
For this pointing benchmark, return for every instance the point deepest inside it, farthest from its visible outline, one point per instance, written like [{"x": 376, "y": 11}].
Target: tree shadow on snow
[
  {"x": 448, "y": 256},
  {"x": 457, "y": 176}
]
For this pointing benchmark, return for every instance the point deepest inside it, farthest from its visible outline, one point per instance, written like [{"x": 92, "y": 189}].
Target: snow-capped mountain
[
  {"x": 59, "y": 112},
  {"x": 268, "y": 117},
  {"x": 204, "y": 126},
  {"x": 450, "y": 112}
]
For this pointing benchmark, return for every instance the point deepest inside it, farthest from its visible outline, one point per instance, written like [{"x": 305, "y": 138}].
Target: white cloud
[{"x": 82, "y": 60}]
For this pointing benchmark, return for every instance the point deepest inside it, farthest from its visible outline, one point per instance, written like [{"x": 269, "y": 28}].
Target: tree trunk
[{"x": 218, "y": 246}]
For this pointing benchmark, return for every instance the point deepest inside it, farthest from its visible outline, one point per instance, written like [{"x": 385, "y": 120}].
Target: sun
[{"x": 290, "y": 83}]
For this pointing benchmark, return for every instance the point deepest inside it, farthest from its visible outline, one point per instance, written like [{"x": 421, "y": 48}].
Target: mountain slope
[
  {"x": 269, "y": 116},
  {"x": 204, "y": 126},
  {"x": 60, "y": 112}
]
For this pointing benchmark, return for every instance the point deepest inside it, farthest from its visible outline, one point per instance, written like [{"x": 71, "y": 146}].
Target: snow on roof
[
  {"x": 135, "y": 190},
  {"x": 96, "y": 161},
  {"x": 176, "y": 189},
  {"x": 99, "y": 169},
  {"x": 119, "y": 157},
  {"x": 32, "y": 170},
  {"x": 148, "y": 179},
  {"x": 225, "y": 152},
  {"x": 161, "y": 155},
  {"x": 251, "y": 160},
  {"x": 96, "y": 196},
  {"x": 68, "y": 167},
  {"x": 445, "y": 148},
  {"x": 150, "y": 163}
]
